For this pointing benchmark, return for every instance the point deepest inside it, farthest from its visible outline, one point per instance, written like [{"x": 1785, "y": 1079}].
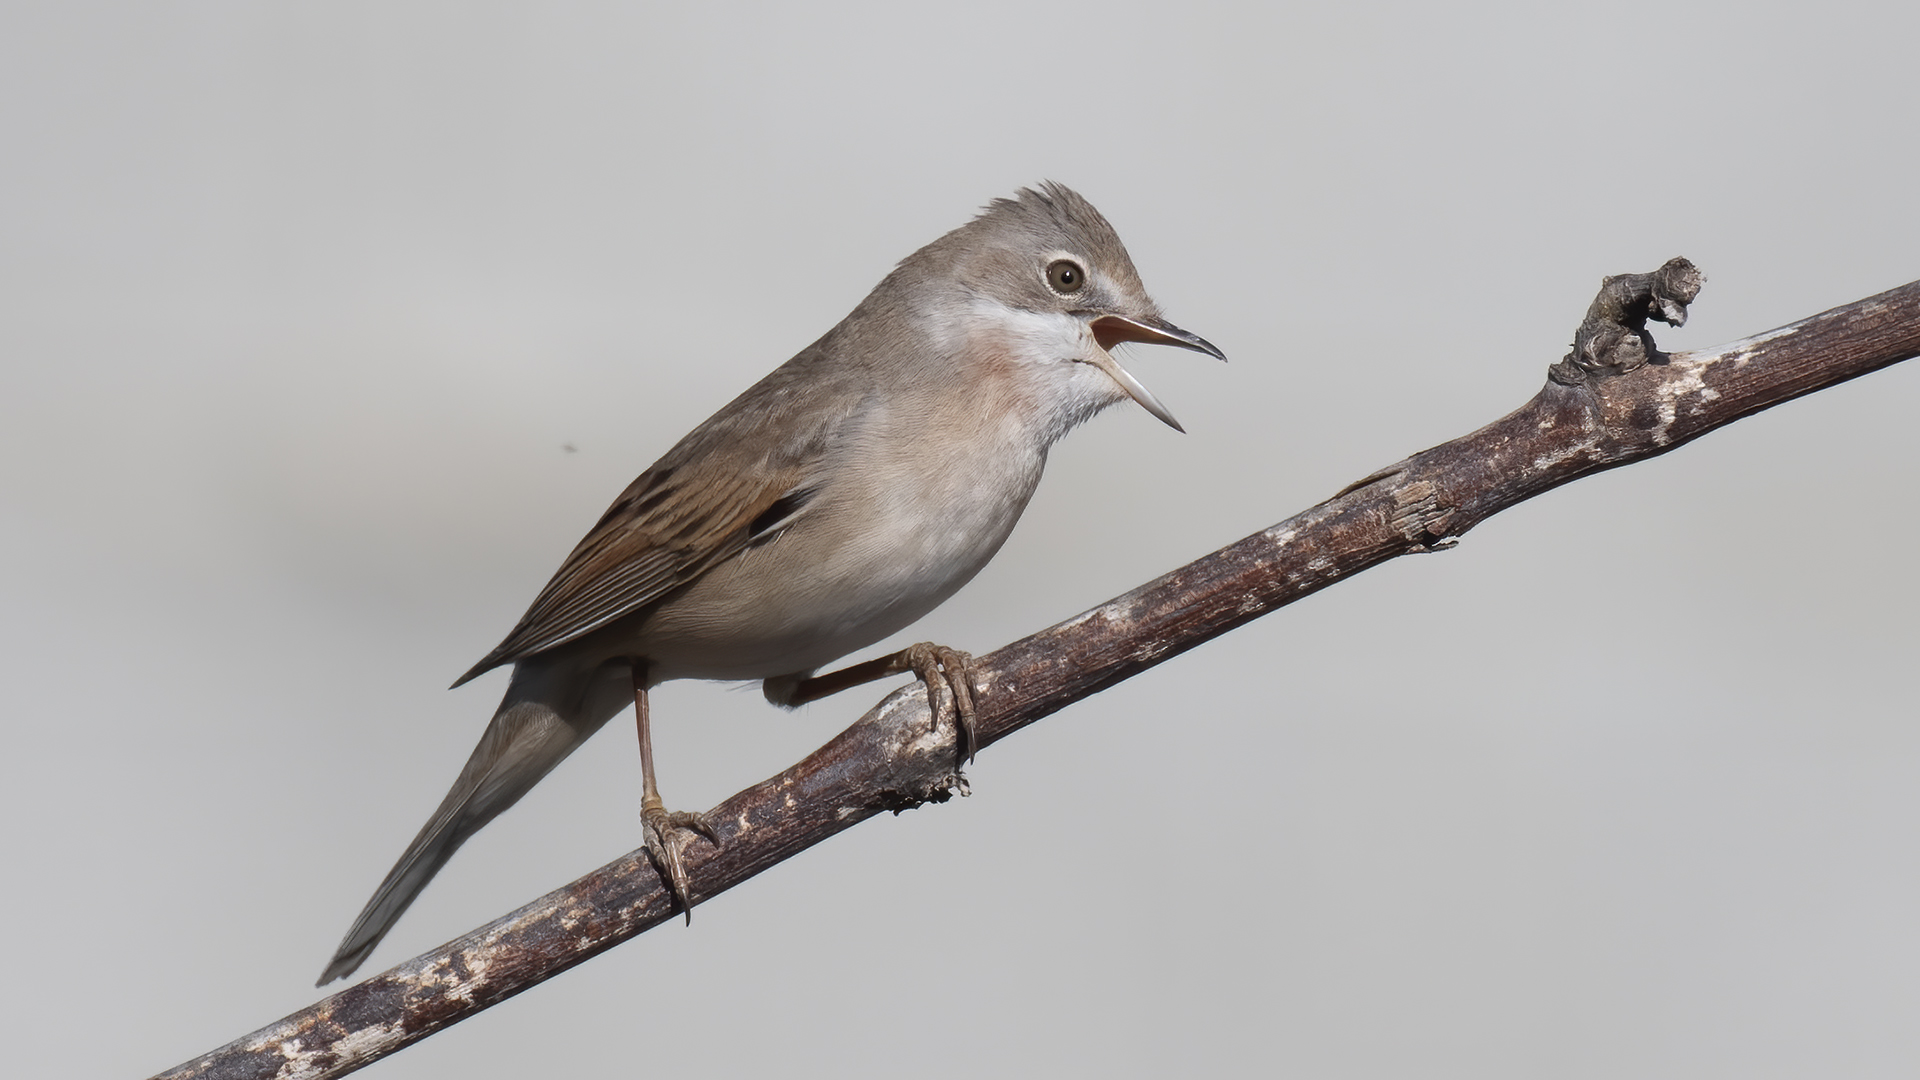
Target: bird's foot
[
  {"x": 948, "y": 675},
  {"x": 668, "y": 834}
]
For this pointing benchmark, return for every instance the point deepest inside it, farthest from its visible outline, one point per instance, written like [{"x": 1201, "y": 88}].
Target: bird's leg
[
  {"x": 948, "y": 674},
  {"x": 667, "y": 832}
]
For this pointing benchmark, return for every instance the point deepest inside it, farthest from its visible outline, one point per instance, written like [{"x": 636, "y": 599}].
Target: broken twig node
[{"x": 1613, "y": 338}]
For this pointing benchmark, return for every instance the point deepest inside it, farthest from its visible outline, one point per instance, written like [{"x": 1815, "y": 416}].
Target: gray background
[{"x": 301, "y": 305}]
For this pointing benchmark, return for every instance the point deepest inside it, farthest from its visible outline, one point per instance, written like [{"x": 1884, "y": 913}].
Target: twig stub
[{"x": 1613, "y": 338}]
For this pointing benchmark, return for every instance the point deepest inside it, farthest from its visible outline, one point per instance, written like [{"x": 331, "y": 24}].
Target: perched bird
[{"x": 839, "y": 499}]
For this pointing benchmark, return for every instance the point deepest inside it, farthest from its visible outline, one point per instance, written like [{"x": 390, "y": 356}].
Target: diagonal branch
[{"x": 1615, "y": 399}]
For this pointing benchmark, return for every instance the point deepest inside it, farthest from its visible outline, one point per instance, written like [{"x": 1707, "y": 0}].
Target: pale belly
[{"x": 844, "y": 576}]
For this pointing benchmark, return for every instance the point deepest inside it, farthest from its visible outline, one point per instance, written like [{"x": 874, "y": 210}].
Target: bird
[{"x": 849, "y": 492}]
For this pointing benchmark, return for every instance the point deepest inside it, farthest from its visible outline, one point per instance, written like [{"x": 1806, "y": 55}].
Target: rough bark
[{"x": 1613, "y": 400}]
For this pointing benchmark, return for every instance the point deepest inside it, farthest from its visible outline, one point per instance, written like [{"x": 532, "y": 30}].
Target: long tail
[{"x": 527, "y": 737}]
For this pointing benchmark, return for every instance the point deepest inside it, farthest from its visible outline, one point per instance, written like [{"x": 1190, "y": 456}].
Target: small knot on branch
[{"x": 1613, "y": 338}]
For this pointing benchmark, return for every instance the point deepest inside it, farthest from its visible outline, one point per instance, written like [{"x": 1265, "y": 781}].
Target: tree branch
[{"x": 1615, "y": 399}]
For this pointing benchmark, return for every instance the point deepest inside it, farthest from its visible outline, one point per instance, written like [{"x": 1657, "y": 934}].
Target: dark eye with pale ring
[{"x": 1065, "y": 276}]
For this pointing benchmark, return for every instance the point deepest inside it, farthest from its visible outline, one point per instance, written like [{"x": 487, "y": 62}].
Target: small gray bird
[{"x": 839, "y": 499}]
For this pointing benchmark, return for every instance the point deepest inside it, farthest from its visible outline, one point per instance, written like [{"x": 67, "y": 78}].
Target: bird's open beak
[{"x": 1111, "y": 330}]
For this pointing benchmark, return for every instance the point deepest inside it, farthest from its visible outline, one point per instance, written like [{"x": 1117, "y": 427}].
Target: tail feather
[{"x": 524, "y": 741}]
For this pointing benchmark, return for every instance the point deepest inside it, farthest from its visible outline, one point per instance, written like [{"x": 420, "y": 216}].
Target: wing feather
[
  {"x": 730, "y": 483},
  {"x": 660, "y": 534}
]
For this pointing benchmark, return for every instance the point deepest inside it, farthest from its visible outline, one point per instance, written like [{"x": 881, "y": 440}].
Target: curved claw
[
  {"x": 951, "y": 671},
  {"x": 668, "y": 834}
]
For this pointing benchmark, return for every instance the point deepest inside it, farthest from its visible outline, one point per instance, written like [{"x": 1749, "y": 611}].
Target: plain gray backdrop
[{"x": 328, "y": 329}]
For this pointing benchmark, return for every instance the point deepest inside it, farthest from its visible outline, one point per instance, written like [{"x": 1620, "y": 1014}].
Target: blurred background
[{"x": 328, "y": 329}]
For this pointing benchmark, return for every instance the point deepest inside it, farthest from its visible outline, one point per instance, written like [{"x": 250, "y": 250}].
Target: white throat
[{"x": 1041, "y": 354}]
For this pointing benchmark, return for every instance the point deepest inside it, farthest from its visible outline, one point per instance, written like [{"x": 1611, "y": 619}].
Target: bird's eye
[{"x": 1065, "y": 276}]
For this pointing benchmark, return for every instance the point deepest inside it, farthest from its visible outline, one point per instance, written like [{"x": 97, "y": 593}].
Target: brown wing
[
  {"x": 662, "y": 532},
  {"x": 735, "y": 480}
]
